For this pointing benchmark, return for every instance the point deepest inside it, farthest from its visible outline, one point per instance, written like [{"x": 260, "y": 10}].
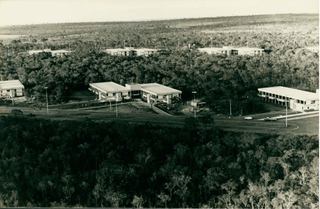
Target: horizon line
[{"x": 150, "y": 20}]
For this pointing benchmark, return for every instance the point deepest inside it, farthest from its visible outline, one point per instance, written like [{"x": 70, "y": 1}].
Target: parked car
[
  {"x": 248, "y": 118},
  {"x": 270, "y": 119}
]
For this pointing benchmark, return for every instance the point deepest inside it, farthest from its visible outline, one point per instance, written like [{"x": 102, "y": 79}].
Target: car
[
  {"x": 248, "y": 118},
  {"x": 269, "y": 119}
]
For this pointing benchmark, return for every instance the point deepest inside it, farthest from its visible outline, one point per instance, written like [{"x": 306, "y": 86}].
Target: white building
[
  {"x": 119, "y": 52},
  {"x": 54, "y": 53},
  {"x": 313, "y": 48},
  {"x": 296, "y": 99},
  {"x": 151, "y": 92},
  {"x": 159, "y": 93},
  {"x": 31, "y": 52},
  {"x": 130, "y": 51},
  {"x": 11, "y": 89},
  {"x": 249, "y": 51},
  {"x": 145, "y": 51},
  {"x": 109, "y": 91},
  {"x": 59, "y": 53},
  {"x": 229, "y": 50}
]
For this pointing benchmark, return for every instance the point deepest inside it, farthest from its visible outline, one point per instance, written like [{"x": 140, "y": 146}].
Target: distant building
[
  {"x": 145, "y": 51},
  {"x": 313, "y": 48},
  {"x": 109, "y": 91},
  {"x": 249, "y": 51},
  {"x": 229, "y": 50},
  {"x": 11, "y": 89},
  {"x": 31, "y": 52},
  {"x": 296, "y": 99},
  {"x": 54, "y": 53},
  {"x": 59, "y": 53},
  {"x": 119, "y": 52},
  {"x": 130, "y": 51}
]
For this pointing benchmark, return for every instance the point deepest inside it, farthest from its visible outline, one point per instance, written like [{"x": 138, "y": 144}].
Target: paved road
[{"x": 232, "y": 124}]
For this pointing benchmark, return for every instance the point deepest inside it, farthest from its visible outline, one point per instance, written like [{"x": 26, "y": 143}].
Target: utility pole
[
  {"x": 286, "y": 112},
  {"x": 194, "y": 102},
  {"x": 47, "y": 99},
  {"x": 116, "y": 103},
  {"x": 116, "y": 109},
  {"x": 230, "y": 108}
]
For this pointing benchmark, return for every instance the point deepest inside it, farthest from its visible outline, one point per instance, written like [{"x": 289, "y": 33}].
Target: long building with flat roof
[
  {"x": 296, "y": 99},
  {"x": 109, "y": 91},
  {"x": 151, "y": 92}
]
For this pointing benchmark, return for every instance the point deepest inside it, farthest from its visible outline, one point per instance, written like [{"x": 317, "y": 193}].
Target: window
[{"x": 313, "y": 101}]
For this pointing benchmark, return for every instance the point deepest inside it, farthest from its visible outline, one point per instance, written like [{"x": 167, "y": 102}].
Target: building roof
[
  {"x": 11, "y": 84},
  {"x": 211, "y": 49},
  {"x": 109, "y": 87},
  {"x": 158, "y": 89},
  {"x": 118, "y": 50},
  {"x": 291, "y": 93},
  {"x": 248, "y": 49},
  {"x": 145, "y": 49},
  {"x": 60, "y": 51}
]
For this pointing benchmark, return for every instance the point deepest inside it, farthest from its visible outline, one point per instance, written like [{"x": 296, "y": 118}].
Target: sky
[{"x": 21, "y": 12}]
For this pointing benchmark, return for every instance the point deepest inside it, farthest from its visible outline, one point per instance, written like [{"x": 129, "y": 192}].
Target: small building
[
  {"x": 59, "y": 53},
  {"x": 54, "y": 53},
  {"x": 214, "y": 50},
  {"x": 295, "y": 99},
  {"x": 159, "y": 93},
  {"x": 130, "y": 51},
  {"x": 249, "y": 51},
  {"x": 109, "y": 91},
  {"x": 11, "y": 89},
  {"x": 151, "y": 92},
  {"x": 31, "y": 52},
  {"x": 229, "y": 50},
  {"x": 145, "y": 51},
  {"x": 313, "y": 48},
  {"x": 119, "y": 52}
]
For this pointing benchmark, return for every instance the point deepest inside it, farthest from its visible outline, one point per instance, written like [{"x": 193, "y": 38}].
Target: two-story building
[{"x": 294, "y": 99}]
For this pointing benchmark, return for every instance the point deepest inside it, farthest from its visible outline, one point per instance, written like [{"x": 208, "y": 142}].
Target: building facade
[
  {"x": 11, "y": 89},
  {"x": 109, "y": 91},
  {"x": 130, "y": 51},
  {"x": 294, "y": 99},
  {"x": 58, "y": 53},
  {"x": 154, "y": 92}
]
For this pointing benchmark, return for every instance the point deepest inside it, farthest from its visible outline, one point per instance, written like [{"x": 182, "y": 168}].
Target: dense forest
[{"x": 68, "y": 163}]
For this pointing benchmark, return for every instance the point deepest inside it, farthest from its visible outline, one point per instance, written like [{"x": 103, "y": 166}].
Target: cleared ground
[{"x": 140, "y": 113}]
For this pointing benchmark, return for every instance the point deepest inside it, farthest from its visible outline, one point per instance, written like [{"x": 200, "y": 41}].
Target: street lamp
[
  {"x": 47, "y": 99},
  {"x": 194, "y": 100}
]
